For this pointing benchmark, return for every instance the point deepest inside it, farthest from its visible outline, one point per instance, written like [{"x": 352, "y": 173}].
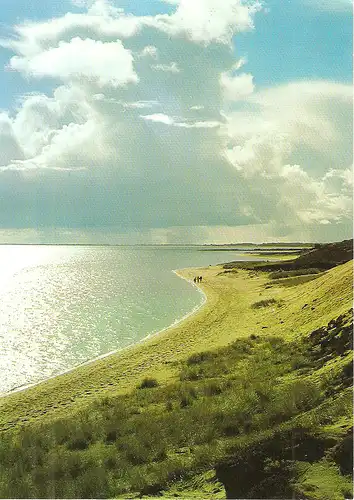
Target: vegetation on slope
[
  {"x": 255, "y": 415},
  {"x": 321, "y": 257},
  {"x": 261, "y": 418}
]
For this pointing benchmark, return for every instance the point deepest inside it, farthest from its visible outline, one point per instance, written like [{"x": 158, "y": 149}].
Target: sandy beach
[{"x": 225, "y": 316}]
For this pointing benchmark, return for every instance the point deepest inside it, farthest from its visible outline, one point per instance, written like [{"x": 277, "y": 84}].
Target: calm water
[{"x": 63, "y": 305}]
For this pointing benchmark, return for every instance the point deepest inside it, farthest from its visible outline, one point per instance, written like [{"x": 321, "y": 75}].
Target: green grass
[
  {"x": 256, "y": 402},
  {"x": 148, "y": 383},
  {"x": 322, "y": 256},
  {"x": 230, "y": 399},
  {"x": 294, "y": 273},
  {"x": 227, "y": 315},
  {"x": 286, "y": 282},
  {"x": 322, "y": 481},
  {"x": 266, "y": 303}
]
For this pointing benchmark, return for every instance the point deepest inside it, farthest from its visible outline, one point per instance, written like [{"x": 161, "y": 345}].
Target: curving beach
[
  {"x": 250, "y": 396},
  {"x": 225, "y": 316}
]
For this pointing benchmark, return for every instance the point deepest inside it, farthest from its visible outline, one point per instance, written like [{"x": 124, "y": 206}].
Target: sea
[{"x": 61, "y": 306}]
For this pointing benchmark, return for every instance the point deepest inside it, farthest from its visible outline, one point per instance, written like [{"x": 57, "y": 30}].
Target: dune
[{"x": 227, "y": 314}]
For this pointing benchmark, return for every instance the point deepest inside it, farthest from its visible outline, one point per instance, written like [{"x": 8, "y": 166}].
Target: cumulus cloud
[
  {"x": 40, "y": 117},
  {"x": 307, "y": 121},
  {"x": 200, "y": 21},
  {"x": 205, "y": 21},
  {"x": 10, "y": 148},
  {"x": 149, "y": 51},
  {"x": 104, "y": 63},
  {"x": 170, "y": 68},
  {"x": 153, "y": 112},
  {"x": 101, "y": 21},
  {"x": 236, "y": 87}
]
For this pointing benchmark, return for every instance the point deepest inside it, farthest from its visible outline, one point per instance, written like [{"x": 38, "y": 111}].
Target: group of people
[{"x": 198, "y": 279}]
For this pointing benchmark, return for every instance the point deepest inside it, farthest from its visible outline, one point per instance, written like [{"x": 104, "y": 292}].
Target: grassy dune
[
  {"x": 226, "y": 316},
  {"x": 249, "y": 398},
  {"x": 271, "y": 256}
]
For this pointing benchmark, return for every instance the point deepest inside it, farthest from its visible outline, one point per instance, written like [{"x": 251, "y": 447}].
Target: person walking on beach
[
  {"x": 200, "y": 278},
  {"x": 195, "y": 280}
]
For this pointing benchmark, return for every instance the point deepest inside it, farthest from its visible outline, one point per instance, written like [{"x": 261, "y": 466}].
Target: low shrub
[
  {"x": 187, "y": 396},
  {"x": 148, "y": 383},
  {"x": 80, "y": 443},
  {"x": 242, "y": 346},
  {"x": 213, "y": 388},
  {"x": 191, "y": 373},
  {"x": 137, "y": 443},
  {"x": 292, "y": 273},
  {"x": 200, "y": 357},
  {"x": 264, "y": 303}
]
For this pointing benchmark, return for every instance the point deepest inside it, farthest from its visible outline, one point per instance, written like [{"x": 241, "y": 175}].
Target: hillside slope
[
  {"x": 322, "y": 256},
  {"x": 256, "y": 403}
]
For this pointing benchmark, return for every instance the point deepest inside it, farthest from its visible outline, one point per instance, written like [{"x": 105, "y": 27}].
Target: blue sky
[
  {"x": 291, "y": 41},
  {"x": 175, "y": 121}
]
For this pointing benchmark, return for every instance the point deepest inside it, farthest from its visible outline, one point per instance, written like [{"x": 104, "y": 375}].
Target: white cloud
[
  {"x": 307, "y": 120},
  {"x": 205, "y": 124},
  {"x": 63, "y": 132},
  {"x": 32, "y": 38},
  {"x": 238, "y": 64},
  {"x": 236, "y": 87},
  {"x": 10, "y": 148},
  {"x": 200, "y": 21},
  {"x": 140, "y": 104},
  {"x": 62, "y": 152},
  {"x": 39, "y": 117},
  {"x": 169, "y": 68},
  {"x": 206, "y": 21},
  {"x": 168, "y": 120},
  {"x": 149, "y": 51},
  {"x": 159, "y": 118},
  {"x": 71, "y": 147},
  {"x": 103, "y": 63},
  {"x": 289, "y": 145},
  {"x": 308, "y": 111},
  {"x": 345, "y": 176}
]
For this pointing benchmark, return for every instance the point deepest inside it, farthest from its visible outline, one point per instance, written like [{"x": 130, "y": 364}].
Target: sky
[{"x": 175, "y": 121}]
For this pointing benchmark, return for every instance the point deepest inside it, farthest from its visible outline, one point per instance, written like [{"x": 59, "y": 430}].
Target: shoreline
[
  {"x": 195, "y": 309},
  {"x": 176, "y": 322},
  {"x": 227, "y": 315}
]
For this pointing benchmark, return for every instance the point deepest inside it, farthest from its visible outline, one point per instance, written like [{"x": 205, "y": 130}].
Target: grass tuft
[
  {"x": 293, "y": 273},
  {"x": 266, "y": 303},
  {"x": 148, "y": 383}
]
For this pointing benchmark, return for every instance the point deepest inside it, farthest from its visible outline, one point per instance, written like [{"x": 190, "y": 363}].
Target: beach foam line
[{"x": 116, "y": 351}]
